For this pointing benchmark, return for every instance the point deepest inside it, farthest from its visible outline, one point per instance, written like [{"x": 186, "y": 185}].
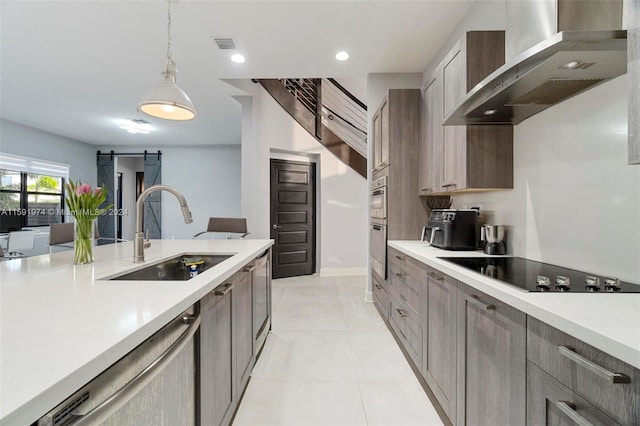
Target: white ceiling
[{"x": 72, "y": 67}]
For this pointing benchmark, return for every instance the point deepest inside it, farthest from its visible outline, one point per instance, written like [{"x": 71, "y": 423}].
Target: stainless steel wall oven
[{"x": 379, "y": 198}]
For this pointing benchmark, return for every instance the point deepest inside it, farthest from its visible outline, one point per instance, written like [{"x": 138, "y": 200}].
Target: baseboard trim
[
  {"x": 336, "y": 272},
  {"x": 368, "y": 296}
]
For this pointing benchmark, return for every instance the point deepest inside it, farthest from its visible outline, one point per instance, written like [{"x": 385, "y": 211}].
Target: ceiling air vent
[{"x": 225, "y": 43}]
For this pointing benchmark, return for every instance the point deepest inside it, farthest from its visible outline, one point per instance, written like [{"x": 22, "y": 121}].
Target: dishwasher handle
[{"x": 101, "y": 412}]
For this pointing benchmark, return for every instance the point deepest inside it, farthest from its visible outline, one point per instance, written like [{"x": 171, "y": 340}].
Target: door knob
[{"x": 277, "y": 227}]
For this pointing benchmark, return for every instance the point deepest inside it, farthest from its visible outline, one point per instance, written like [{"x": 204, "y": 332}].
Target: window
[
  {"x": 31, "y": 192},
  {"x": 29, "y": 199}
]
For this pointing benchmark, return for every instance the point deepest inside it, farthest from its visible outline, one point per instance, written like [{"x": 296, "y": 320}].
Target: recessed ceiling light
[
  {"x": 134, "y": 125},
  {"x": 571, "y": 65},
  {"x": 342, "y": 56},
  {"x": 490, "y": 112},
  {"x": 237, "y": 58}
]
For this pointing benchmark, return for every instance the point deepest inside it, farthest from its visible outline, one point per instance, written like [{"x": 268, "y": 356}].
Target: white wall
[
  {"x": 357, "y": 87},
  {"x": 128, "y": 166},
  {"x": 575, "y": 200},
  {"x": 208, "y": 177},
  {"x": 27, "y": 141},
  {"x": 343, "y": 193},
  {"x": 483, "y": 15}
]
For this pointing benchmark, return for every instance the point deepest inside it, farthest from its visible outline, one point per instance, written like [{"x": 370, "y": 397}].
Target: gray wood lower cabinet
[
  {"x": 549, "y": 403},
  {"x": 217, "y": 388},
  {"x": 230, "y": 338},
  {"x": 487, "y": 363},
  {"x": 243, "y": 318},
  {"x": 491, "y": 361},
  {"x": 609, "y": 385},
  {"x": 439, "y": 343}
]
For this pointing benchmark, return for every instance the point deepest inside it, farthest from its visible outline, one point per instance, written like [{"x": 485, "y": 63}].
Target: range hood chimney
[{"x": 589, "y": 50}]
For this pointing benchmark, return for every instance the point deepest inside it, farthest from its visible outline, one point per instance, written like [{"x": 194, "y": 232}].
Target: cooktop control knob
[
  {"x": 563, "y": 283},
  {"x": 543, "y": 283},
  {"x": 592, "y": 283},
  {"x": 611, "y": 284}
]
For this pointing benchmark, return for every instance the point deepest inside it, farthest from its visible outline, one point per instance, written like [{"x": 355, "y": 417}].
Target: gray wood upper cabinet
[
  {"x": 491, "y": 361},
  {"x": 381, "y": 137},
  {"x": 633, "y": 71},
  {"x": 470, "y": 157},
  {"x": 405, "y": 213},
  {"x": 439, "y": 325},
  {"x": 217, "y": 387},
  {"x": 431, "y": 143}
]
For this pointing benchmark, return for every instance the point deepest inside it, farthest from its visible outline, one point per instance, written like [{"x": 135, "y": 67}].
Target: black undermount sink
[{"x": 175, "y": 269}]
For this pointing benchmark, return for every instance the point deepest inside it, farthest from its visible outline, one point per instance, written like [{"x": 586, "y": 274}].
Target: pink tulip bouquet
[{"x": 83, "y": 203}]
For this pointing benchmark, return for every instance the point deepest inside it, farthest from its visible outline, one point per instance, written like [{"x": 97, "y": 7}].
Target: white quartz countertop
[
  {"x": 61, "y": 325},
  {"x": 609, "y": 322}
]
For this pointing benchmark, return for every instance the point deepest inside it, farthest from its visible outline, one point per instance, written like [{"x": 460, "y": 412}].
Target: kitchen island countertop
[
  {"x": 61, "y": 325},
  {"x": 609, "y": 322}
]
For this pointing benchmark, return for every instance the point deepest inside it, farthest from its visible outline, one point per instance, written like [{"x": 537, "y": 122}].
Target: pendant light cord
[{"x": 169, "y": 57}]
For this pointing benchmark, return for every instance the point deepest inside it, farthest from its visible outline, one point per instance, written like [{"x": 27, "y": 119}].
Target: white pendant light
[{"x": 166, "y": 99}]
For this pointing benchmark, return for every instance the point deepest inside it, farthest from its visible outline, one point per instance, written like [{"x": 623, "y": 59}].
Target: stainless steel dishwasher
[{"x": 154, "y": 384}]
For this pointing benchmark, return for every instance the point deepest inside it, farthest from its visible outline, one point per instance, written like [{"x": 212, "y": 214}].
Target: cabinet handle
[
  {"x": 249, "y": 269},
  {"x": 401, "y": 312},
  {"x": 399, "y": 257},
  {"x": 435, "y": 277},
  {"x": 398, "y": 274},
  {"x": 223, "y": 292},
  {"x": 405, "y": 337},
  {"x": 475, "y": 301},
  {"x": 446, "y": 185},
  {"x": 378, "y": 286},
  {"x": 403, "y": 298},
  {"x": 569, "y": 409},
  {"x": 570, "y": 353},
  {"x": 377, "y": 227}
]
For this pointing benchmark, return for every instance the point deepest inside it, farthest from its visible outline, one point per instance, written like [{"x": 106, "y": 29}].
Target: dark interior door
[{"x": 293, "y": 218}]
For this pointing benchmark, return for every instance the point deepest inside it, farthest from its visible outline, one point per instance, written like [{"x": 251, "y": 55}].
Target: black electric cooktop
[{"x": 528, "y": 275}]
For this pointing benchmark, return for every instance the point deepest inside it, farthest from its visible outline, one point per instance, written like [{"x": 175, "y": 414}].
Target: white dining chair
[{"x": 19, "y": 242}]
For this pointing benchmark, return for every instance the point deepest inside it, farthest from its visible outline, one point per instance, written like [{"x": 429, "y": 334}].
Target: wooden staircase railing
[{"x": 302, "y": 99}]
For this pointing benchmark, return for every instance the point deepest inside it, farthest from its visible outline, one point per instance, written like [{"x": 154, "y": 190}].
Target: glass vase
[{"x": 83, "y": 240}]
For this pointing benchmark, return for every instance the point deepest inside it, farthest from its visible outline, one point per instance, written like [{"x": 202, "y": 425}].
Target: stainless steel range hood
[{"x": 555, "y": 69}]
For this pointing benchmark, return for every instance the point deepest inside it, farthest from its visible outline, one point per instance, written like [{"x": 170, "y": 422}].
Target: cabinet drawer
[
  {"x": 381, "y": 298},
  {"x": 408, "y": 264},
  {"x": 407, "y": 289},
  {"x": 397, "y": 258},
  {"x": 416, "y": 269},
  {"x": 587, "y": 371},
  {"x": 407, "y": 329},
  {"x": 550, "y": 403}
]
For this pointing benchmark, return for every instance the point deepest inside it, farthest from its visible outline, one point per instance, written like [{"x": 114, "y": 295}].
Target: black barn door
[
  {"x": 106, "y": 222},
  {"x": 293, "y": 218},
  {"x": 153, "y": 203}
]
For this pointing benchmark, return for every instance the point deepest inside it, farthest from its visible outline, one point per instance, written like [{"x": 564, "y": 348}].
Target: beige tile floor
[{"x": 330, "y": 360}]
